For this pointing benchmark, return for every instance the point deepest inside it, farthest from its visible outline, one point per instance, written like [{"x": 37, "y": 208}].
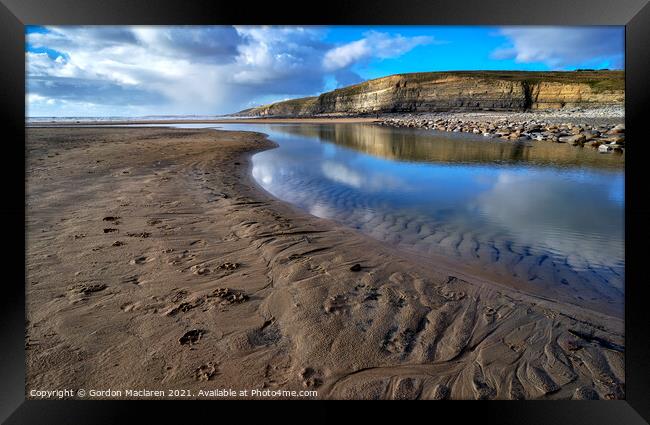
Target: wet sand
[{"x": 155, "y": 262}]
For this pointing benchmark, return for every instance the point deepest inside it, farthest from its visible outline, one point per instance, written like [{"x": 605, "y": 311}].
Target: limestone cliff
[{"x": 467, "y": 90}]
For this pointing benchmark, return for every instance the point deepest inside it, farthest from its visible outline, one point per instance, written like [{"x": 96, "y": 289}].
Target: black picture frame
[{"x": 634, "y": 14}]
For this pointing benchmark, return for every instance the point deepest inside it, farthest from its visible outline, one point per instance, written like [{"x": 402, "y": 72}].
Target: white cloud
[
  {"x": 342, "y": 56},
  {"x": 560, "y": 47},
  {"x": 200, "y": 70},
  {"x": 36, "y": 98},
  {"x": 173, "y": 69},
  {"x": 374, "y": 44}
]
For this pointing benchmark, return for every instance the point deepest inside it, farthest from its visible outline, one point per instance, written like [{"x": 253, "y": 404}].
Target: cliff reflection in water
[{"x": 432, "y": 146}]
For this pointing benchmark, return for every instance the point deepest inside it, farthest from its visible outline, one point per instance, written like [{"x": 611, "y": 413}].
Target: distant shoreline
[
  {"x": 601, "y": 128},
  {"x": 612, "y": 114},
  {"x": 312, "y": 120}
]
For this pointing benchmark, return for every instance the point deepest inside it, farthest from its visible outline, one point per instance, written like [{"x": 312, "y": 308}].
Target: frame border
[{"x": 634, "y": 14}]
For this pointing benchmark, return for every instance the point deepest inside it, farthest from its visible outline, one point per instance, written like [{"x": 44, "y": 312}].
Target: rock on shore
[{"x": 533, "y": 126}]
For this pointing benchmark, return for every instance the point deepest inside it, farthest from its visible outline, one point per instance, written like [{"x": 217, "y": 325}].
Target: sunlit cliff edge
[{"x": 459, "y": 91}]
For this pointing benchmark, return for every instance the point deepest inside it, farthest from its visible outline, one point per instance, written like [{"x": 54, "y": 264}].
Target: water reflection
[
  {"x": 549, "y": 215},
  {"x": 430, "y": 146}
]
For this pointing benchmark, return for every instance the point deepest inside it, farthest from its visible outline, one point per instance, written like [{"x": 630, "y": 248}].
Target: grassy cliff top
[
  {"x": 601, "y": 80},
  {"x": 297, "y": 103}
]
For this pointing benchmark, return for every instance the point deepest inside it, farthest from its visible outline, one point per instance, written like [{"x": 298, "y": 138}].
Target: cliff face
[
  {"x": 444, "y": 91},
  {"x": 293, "y": 107}
]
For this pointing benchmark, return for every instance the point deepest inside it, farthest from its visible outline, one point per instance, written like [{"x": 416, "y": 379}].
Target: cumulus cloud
[
  {"x": 171, "y": 69},
  {"x": 285, "y": 59},
  {"x": 562, "y": 47},
  {"x": 141, "y": 69},
  {"x": 374, "y": 44},
  {"x": 199, "y": 43},
  {"x": 195, "y": 69}
]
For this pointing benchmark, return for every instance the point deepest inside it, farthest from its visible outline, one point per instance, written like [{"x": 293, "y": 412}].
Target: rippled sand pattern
[{"x": 570, "y": 276}]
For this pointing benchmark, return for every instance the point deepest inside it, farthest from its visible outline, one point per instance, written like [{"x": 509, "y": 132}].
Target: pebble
[{"x": 535, "y": 128}]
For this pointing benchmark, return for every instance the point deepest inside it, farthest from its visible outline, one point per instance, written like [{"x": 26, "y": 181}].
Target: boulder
[
  {"x": 617, "y": 129},
  {"x": 616, "y": 140},
  {"x": 577, "y": 139},
  {"x": 590, "y": 134}
]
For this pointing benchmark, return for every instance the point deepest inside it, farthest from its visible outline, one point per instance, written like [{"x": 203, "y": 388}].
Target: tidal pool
[{"x": 550, "y": 216}]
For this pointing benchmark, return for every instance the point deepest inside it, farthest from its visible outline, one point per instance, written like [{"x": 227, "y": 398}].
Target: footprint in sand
[
  {"x": 191, "y": 337},
  {"x": 142, "y": 235},
  {"x": 132, "y": 280},
  {"x": 186, "y": 306},
  {"x": 449, "y": 291},
  {"x": 228, "y": 266},
  {"x": 141, "y": 260},
  {"x": 585, "y": 393},
  {"x": 126, "y": 307},
  {"x": 198, "y": 270},
  {"x": 228, "y": 296},
  {"x": 311, "y": 378},
  {"x": 180, "y": 258},
  {"x": 336, "y": 304},
  {"x": 205, "y": 372},
  {"x": 178, "y": 295},
  {"x": 86, "y": 288}
]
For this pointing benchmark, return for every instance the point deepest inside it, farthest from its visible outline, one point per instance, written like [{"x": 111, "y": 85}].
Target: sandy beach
[
  {"x": 251, "y": 120},
  {"x": 154, "y": 261}
]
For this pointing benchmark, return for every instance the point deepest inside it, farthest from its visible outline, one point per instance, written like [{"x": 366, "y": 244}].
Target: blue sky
[{"x": 134, "y": 71}]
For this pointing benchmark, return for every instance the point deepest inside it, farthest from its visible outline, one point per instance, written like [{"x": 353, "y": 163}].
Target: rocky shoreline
[{"x": 601, "y": 129}]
